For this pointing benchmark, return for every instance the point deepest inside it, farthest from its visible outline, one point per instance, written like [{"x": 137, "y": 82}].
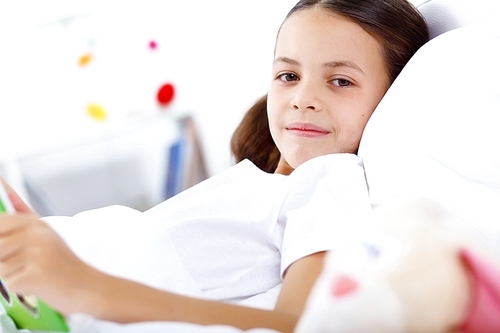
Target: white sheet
[
  {"x": 102, "y": 254},
  {"x": 84, "y": 324}
]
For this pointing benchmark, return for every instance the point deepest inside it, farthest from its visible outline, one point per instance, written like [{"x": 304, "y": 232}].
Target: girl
[{"x": 243, "y": 233}]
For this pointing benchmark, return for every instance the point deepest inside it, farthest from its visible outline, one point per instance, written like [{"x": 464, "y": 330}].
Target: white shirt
[{"x": 232, "y": 236}]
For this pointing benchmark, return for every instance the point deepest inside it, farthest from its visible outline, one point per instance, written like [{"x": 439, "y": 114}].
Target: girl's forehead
[
  {"x": 320, "y": 21},
  {"x": 315, "y": 32}
]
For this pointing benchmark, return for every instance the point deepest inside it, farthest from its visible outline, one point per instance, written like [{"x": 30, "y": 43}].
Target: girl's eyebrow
[
  {"x": 331, "y": 64},
  {"x": 286, "y": 60},
  {"x": 350, "y": 64}
]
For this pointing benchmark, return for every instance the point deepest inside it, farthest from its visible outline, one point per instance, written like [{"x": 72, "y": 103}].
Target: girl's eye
[
  {"x": 341, "y": 82},
  {"x": 287, "y": 77}
]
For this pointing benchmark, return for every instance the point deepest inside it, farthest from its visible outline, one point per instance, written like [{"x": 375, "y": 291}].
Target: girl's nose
[{"x": 306, "y": 98}]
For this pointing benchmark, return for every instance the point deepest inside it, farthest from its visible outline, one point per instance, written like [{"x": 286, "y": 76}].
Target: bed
[{"x": 444, "y": 110}]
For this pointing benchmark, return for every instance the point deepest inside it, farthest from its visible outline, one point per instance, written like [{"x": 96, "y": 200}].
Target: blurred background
[{"x": 126, "y": 102}]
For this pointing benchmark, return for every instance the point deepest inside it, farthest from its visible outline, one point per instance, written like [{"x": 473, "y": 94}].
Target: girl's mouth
[{"x": 307, "y": 130}]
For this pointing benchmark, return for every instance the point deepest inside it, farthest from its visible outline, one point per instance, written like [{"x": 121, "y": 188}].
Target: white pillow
[{"x": 436, "y": 133}]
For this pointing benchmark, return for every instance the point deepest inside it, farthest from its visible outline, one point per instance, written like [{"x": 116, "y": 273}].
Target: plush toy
[{"x": 418, "y": 274}]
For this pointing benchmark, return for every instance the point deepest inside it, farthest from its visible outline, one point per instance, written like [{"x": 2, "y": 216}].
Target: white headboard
[{"x": 445, "y": 15}]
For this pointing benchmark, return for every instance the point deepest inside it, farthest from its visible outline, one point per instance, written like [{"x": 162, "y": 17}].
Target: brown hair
[
  {"x": 396, "y": 24},
  {"x": 252, "y": 138}
]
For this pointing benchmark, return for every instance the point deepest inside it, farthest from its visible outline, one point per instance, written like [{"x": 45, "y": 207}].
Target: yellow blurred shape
[
  {"x": 97, "y": 112},
  {"x": 85, "y": 59}
]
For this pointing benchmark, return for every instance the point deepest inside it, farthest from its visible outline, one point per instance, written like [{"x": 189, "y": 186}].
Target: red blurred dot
[
  {"x": 153, "y": 45},
  {"x": 165, "y": 94},
  {"x": 344, "y": 285}
]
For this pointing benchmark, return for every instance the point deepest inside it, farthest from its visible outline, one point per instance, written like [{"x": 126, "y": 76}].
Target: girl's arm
[
  {"x": 148, "y": 304},
  {"x": 35, "y": 260}
]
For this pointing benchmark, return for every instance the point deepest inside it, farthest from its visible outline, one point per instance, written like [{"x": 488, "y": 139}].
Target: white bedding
[
  {"x": 84, "y": 324},
  {"x": 125, "y": 256},
  {"x": 436, "y": 132}
]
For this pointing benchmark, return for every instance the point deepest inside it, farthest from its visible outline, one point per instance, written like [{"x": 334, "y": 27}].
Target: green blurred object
[{"x": 29, "y": 312}]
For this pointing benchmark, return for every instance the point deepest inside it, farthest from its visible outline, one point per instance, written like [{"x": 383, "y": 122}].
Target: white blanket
[{"x": 116, "y": 256}]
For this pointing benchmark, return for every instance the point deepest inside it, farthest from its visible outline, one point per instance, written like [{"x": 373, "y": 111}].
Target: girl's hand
[{"x": 34, "y": 260}]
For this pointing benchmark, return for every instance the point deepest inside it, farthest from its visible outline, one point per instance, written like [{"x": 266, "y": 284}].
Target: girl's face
[{"x": 328, "y": 77}]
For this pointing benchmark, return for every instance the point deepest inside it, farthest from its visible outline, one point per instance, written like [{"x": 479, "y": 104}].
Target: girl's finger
[
  {"x": 8, "y": 248},
  {"x": 19, "y": 204},
  {"x": 13, "y": 223},
  {"x": 12, "y": 237},
  {"x": 12, "y": 267}
]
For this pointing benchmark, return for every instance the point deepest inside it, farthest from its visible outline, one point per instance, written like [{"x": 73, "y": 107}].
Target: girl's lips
[{"x": 306, "y": 130}]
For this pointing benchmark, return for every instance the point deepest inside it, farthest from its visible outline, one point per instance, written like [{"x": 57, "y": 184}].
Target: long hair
[
  {"x": 252, "y": 138},
  {"x": 396, "y": 24}
]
